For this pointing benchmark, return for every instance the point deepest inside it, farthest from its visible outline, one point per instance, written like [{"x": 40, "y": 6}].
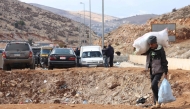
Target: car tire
[
  {"x": 4, "y": 67},
  {"x": 50, "y": 68},
  {"x": 32, "y": 66},
  {"x": 8, "y": 68}
]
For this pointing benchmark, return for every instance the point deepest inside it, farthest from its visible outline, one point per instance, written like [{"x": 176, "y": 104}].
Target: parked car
[
  {"x": 44, "y": 53},
  {"x": 18, "y": 55},
  {"x": 91, "y": 56},
  {"x": 36, "y": 53},
  {"x": 61, "y": 57}
]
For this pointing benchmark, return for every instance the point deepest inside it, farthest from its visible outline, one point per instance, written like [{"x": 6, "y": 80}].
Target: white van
[{"x": 91, "y": 56}]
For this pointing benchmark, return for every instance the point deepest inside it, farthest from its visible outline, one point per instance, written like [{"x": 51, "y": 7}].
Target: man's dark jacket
[
  {"x": 156, "y": 60},
  {"x": 109, "y": 51}
]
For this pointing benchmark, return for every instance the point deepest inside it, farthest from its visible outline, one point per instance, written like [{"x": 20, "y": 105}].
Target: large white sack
[{"x": 142, "y": 46}]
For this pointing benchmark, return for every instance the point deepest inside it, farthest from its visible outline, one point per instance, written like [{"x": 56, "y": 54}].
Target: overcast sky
[{"x": 117, "y": 8}]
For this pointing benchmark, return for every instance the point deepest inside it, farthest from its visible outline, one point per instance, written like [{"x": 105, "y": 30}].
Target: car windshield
[
  {"x": 62, "y": 51},
  {"x": 35, "y": 50},
  {"x": 45, "y": 51},
  {"x": 17, "y": 47},
  {"x": 91, "y": 54}
]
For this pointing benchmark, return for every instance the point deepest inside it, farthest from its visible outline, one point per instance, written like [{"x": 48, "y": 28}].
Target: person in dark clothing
[
  {"x": 77, "y": 52},
  {"x": 157, "y": 63},
  {"x": 104, "y": 52},
  {"x": 110, "y": 54}
]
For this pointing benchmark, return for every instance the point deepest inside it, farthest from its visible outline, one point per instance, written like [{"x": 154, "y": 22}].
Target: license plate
[
  {"x": 62, "y": 57},
  {"x": 16, "y": 54},
  {"x": 92, "y": 65}
]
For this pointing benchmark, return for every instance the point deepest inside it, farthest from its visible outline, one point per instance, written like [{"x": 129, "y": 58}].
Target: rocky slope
[
  {"x": 124, "y": 36},
  {"x": 20, "y": 21}
]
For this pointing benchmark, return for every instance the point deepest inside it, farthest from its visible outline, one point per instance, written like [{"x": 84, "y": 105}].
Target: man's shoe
[{"x": 156, "y": 106}]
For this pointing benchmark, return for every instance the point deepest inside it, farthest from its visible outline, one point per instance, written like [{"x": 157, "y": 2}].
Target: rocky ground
[{"x": 86, "y": 88}]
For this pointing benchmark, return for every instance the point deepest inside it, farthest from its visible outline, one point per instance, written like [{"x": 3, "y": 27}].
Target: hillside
[
  {"x": 111, "y": 23},
  {"x": 20, "y": 21},
  {"x": 76, "y": 15},
  {"x": 138, "y": 19},
  {"x": 124, "y": 36}
]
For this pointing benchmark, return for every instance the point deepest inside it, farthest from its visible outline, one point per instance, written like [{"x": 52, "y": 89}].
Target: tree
[
  {"x": 174, "y": 10},
  {"x": 30, "y": 41},
  {"x": 22, "y": 23}
]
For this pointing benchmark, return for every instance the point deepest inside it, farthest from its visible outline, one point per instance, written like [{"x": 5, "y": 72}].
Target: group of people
[{"x": 108, "y": 55}]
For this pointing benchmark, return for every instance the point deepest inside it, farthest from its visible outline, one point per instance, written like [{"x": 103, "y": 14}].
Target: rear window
[
  {"x": 17, "y": 47},
  {"x": 62, "y": 51},
  {"x": 36, "y": 50},
  {"x": 45, "y": 51}
]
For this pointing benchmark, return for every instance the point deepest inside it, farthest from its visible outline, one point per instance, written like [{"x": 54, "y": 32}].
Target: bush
[
  {"x": 16, "y": 25},
  {"x": 30, "y": 41},
  {"x": 174, "y": 10},
  {"x": 19, "y": 24},
  {"x": 22, "y": 23},
  {"x": 28, "y": 8}
]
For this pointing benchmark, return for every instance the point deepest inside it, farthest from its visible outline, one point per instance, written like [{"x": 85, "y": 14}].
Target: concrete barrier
[
  {"x": 173, "y": 63},
  {"x": 120, "y": 58}
]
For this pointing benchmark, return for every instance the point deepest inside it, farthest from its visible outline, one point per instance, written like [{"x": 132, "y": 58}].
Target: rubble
[{"x": 94, "y": 86}]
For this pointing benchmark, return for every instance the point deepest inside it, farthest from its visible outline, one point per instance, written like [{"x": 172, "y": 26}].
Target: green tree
[
  {"x": 22, "y": 23},
  {"x": 30, "y": 41}
]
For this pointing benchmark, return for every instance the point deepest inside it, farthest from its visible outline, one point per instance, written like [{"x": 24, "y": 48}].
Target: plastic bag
[
  {"x": 165, "y": 92},
  {"x": 142, "y": 46}
]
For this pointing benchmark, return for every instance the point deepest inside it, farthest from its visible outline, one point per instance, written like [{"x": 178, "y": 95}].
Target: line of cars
[{"x": 22, "y": 55}]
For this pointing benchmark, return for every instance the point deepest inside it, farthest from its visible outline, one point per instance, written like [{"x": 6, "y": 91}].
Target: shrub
[
  {"x": 22, "y": 23},
  {"x": 174, "y": 10},
  {"x": 30, "y": 41},
  {"x": 16, "y": 25}
]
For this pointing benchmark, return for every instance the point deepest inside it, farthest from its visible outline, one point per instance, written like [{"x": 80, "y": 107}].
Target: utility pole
[
  {"x": 90, "y": 37},
  {"x": 84, "y": 20},
  {"x": 102, "y": 23}
]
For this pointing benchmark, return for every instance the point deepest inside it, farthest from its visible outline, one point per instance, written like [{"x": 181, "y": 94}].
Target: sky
[{"x": 116, "y": 8}]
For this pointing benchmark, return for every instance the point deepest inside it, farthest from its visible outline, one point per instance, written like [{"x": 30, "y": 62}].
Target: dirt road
[{"x": 84, "y": 88}]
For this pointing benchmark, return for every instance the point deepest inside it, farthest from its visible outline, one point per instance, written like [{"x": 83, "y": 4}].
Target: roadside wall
[{"x": 173, "y": 63}]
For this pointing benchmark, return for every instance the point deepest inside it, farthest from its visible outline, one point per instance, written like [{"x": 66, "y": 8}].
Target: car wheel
[
  {"x": 32, "y": 66},
  {"x": 4, "y": 67},
  {"x": 8, "y": 68},
  {"x": 50, "y": 68}
]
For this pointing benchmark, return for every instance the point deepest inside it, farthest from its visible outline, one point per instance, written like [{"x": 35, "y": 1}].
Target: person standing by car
[
  {"x": 77, "y": 52},
  {"x": 157, "y": 63},
  {"x": 110, "y": 54},
  {"x": 104, "y": 52}
]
